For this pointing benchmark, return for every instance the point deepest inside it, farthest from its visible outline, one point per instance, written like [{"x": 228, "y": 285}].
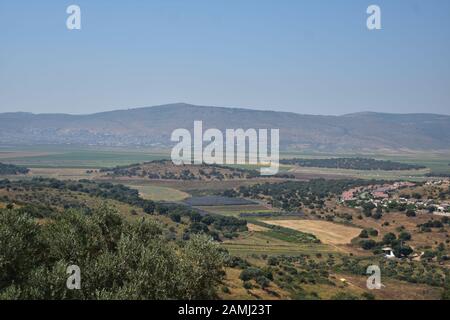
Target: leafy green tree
[
  {"x": 149, "y": 207},
  {"x": 20, "y": 246},
  {"x": 368, "y": 244},
  {"x": 389, "y": 238},
  {"x": 404, "y": 236},
  {"x": 118, "y": 259},
  {"x": 364, "y": 234}
]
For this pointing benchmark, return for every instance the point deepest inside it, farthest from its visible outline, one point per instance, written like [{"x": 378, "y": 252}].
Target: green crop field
[
  {"x": 72, "y": 158},
  {"x": 435, "y": 162},
  {"x": 235, "y": 210},
  {"x": 263, "y": 243}
]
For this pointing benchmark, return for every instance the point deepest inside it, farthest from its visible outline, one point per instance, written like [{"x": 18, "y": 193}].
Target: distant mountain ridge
[{"x": 152, "y": 126}]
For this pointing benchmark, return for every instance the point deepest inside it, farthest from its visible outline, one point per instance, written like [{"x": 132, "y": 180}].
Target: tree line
[{"x": 352, "y": 163}]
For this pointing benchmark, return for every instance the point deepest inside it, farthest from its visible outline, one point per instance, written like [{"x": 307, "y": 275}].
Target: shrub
[
  {"x": 272, "y": 261},
  {"x": 175, "y": 217},
  {"x": 389, "y": 238},
  {"x": 247, "y": 285},
  {"x": 410, "y": 213},
  {"x": 404, "y": 236},
  {"x": 368, "y": 244},
  {"x": 364, "y": 234},
  {"x": 263, "y": 281},
  {"x": 250, "y": 273}
]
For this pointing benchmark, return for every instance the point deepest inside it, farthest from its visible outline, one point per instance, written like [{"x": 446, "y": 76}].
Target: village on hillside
[{"x": 388, "y": 196}]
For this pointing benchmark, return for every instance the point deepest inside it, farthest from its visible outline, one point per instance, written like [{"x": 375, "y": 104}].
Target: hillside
[{"x": 152, "y": 126}]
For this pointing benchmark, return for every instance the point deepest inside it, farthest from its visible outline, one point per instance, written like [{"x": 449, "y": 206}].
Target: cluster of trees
[
  {"x": 11, "y": 169},
  {"x": 204, "y": 172},
  {"x": 369, "y": 209},
  {"x": 261, "y": 277},
  {"x": 409, "y": 271},
  {"x": 215, "y": 226},
  {"x": 289, "y": 273},
  {"x": 292, "y": 272},
  {"x": 370, "y": 232},
  {"x": 438, "y": 174},
  {"x": 351, "y": 163},
  {"x": 430, "y": 224},
  {"x": 104, "y": 190},
  {"x": 398, "y": 244},
  {"x": 292, "y": 195},
  {"x": 118, "y": 259},
  {"x": 162, "y": 170}
]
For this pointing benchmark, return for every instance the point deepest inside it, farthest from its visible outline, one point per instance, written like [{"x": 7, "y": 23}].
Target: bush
[
  {"x": 225, "y": 290},
  {"x": 404, "y": 236},
  {"x": 389, "y": 238},
  {"x": 247, "y": 285},
  {"x": 368, "y": 244},
  {"x": 250, "y": 273},
  {"x": 149, "y": 207},
  {"x": 272, "y": 261},
  {"x": 364, "y": 234},
  {"x": 410, "y": 213},
  {"x": 377, "y": 215},
  {"x": 428, "y": 255},
  {"x": 175, "y": 217},
  {"x": 368, "y": 296},
  {"x": 402, "y": 251},
  {"x": 263, "y": 281}
]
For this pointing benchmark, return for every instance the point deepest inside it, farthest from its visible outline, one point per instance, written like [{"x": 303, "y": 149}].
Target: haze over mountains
[{"x": 152, "y": 126}]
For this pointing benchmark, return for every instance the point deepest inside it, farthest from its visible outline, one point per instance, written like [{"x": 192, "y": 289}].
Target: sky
[{"x": 310, "y": 56}]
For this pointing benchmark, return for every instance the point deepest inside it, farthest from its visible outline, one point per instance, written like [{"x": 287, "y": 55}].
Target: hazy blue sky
[{"x": 311, "y": 56}]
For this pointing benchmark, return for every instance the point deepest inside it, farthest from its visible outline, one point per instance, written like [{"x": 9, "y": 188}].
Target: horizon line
[{"x": 119, "y": 109}]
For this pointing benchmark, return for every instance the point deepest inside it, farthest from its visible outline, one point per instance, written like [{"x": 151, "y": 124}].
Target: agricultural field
[
  {"x": 410, "y": 175},
  {"x": 327, "y": 232},
  {"x": 260, "y": 242},
  {"x": 63, "y": 173},
  {"x": 62, "y": 157},
  {"x": 227, "y": 206},
  {"x": 156, "y": 193},
  {"x": 215, "y": 200},
  {"x": 237, "y": 210},
  {"x": 434, "y": 162}
]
